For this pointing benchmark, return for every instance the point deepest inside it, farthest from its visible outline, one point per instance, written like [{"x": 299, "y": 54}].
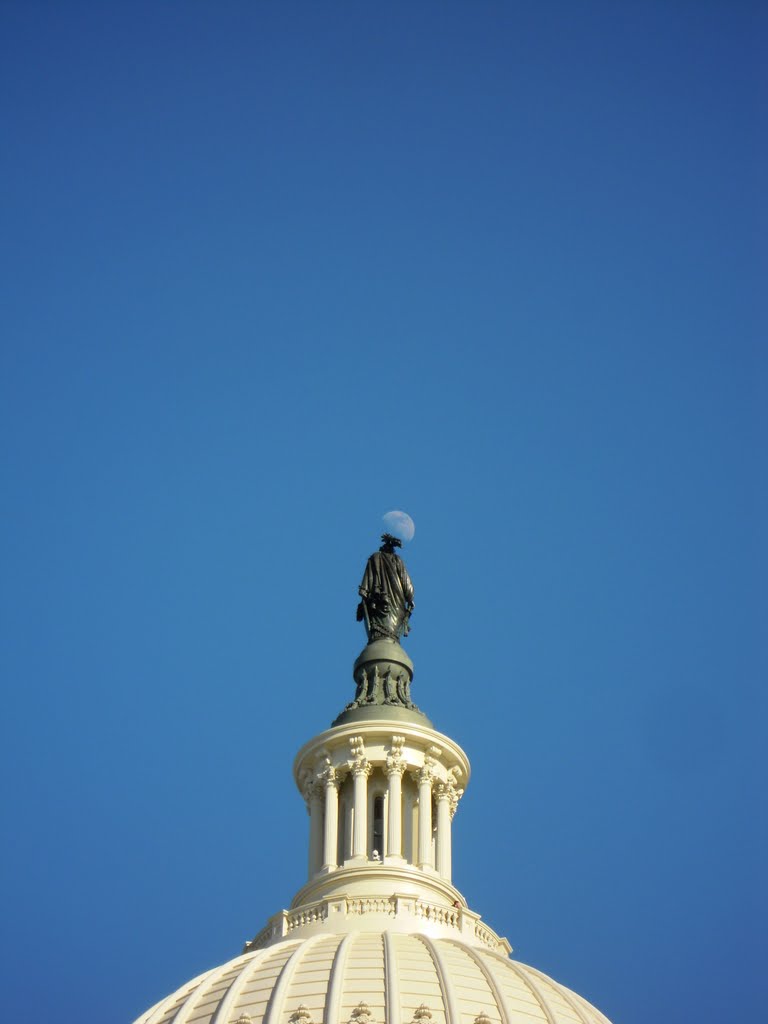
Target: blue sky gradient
[{"x": 270, "y": 270}]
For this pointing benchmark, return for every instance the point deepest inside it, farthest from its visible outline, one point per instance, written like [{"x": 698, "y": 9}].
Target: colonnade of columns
[{"x": 322, "y": 793}]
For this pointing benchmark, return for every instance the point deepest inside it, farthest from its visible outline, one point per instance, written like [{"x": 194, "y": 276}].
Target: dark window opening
[{"x": 378, "y": 825}]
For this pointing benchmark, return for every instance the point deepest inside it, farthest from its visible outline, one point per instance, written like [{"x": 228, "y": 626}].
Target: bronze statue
[{"x": 386, "y": 594}]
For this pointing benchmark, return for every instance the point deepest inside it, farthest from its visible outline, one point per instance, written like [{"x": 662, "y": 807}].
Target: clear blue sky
[{"x": 271, "y": 269}]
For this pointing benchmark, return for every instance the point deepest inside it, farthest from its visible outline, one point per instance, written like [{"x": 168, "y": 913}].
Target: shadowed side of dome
[{"x": 373, "y": 978}]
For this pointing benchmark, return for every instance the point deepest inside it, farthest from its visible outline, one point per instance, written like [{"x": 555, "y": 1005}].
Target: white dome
[{"x": 373, "y": 977}]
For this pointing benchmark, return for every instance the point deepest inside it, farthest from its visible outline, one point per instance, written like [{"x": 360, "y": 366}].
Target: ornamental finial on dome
[
  {"x": 422, "y": 1014},
  {"x": 361, "y": 1014},
  {"x": 301, "y": 1015},
  {"x": 482, "y": 1018},
  {"x": 244, "y": 1019}
]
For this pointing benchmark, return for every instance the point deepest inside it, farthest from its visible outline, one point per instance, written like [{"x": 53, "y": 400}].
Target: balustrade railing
[{"x": 464, "y": 921}]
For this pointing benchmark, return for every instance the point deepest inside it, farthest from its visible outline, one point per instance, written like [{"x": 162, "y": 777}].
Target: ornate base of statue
[{"x": 383, "y": 673}]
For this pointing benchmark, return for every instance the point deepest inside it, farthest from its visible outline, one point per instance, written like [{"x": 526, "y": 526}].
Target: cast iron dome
[{"x": 378, "y": 934}]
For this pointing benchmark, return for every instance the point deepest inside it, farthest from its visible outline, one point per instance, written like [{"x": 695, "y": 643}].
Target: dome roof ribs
[
  {"x": 567, "y": 996},
  {"x": 537, "y": 992},
  {"x": 275, "y": 1006},
  {"x": 451, "y": 1003},
  {"x": 391, "y": 987},
  {"x": 333, "y": 1000},
  {"x": 496, "y": 989},
  {"x": 600, "y": 1018},
  {"x": 241, "y": 979},
  {"x": 192, "y": 1002},
  {"x": 458, "y": 979},
  {"x": 159, "y": 1010}
]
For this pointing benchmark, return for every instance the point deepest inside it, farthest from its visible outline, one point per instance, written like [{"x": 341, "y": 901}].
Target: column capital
[
  {"x": 456, "y": 795},
  {"x": 428, "y": 773},
  {"x": 359, "y": 764},
  {"x": 306, "y": 783},
  {"x": 451, "y": 793},
  {"x": 443, "y": 791},
  {"x": 327, "y": 775},
  {"x": 395, "y": 763},
  {"x": 311, "y": 787},
  {"x": 455, "y": 791}
]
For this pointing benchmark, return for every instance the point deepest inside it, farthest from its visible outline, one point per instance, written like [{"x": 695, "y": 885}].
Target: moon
[{"x": 399, "y": 524}]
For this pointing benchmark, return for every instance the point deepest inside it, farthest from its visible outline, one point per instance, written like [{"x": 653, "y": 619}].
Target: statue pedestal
[
  {"x": 383, "y": 673},
  {"x": 387, "y": 655}
]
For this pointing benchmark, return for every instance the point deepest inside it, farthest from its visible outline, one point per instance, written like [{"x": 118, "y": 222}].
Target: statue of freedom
[{"x": 386, "y": 594}]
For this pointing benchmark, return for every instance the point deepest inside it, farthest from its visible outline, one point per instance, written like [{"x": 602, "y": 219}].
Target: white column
[
  {"x": 444, "y": 831},
  {"x": 394, "y": 768},
  {"x": 331, "y": 833},
  {"x": 425, "y": 778},
  {"x": 360, "y": 772},
  {"x": 315, "y": 827},
  {"x": 395, "y": 810}
]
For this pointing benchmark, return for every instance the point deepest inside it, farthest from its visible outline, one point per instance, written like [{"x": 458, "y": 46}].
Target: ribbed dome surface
[{"x": 324, "y": 979}]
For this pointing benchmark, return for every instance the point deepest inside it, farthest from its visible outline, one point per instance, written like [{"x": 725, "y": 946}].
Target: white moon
[{"x": 400, "y": 524}]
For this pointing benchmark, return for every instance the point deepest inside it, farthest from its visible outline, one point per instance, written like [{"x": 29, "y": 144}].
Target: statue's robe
[{"x": 387, "y": 597}]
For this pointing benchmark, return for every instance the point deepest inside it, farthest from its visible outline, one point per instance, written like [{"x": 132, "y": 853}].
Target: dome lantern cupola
[{"x": 381, "y": 787}]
